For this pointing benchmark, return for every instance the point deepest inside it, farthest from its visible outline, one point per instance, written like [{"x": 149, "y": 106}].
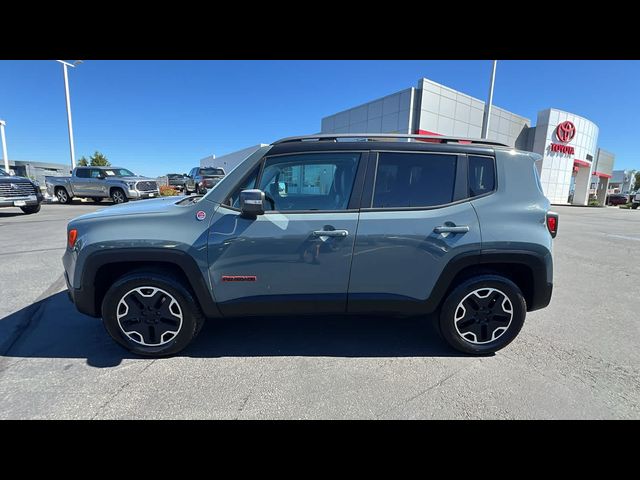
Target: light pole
[
  {"x": 66, "y": 91},
  {"x": 487, "y": 107},
  {"x": 4, "y": 146}
]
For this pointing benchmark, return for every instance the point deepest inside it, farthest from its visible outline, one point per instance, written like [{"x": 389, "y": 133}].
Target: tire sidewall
[
  {"x": 447, "y": 314},
  {"x": 183, "y": 297},
  {"x": 113, "y": 198}
]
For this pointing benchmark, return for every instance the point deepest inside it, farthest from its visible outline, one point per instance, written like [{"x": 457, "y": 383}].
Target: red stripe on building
[
  {"x": 600, "y": 174},
  {"x": 582, "y": 163},
  {"x": 427, "y": 132}
]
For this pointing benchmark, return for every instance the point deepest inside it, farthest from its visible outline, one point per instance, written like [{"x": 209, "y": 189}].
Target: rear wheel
[
  {"x": 150, "y": 314},
  {"x": 118, "y": 196},
  {"x": 62, "y": 195},
  {"x": 29, "y": 209},
  {"x": 483, "y": 314}
]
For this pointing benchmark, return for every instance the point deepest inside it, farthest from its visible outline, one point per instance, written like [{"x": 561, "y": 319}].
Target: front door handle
[
  {"x": 448, "y": 229},
  {"x": 330, "y": 233}
]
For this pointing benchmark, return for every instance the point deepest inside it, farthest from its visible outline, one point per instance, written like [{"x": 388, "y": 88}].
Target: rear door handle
[
  {"x": 447, "y": 229},
  {"x": 330, "y": 233}
]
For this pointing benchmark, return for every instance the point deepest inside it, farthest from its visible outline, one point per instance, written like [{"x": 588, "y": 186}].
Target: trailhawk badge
[{"x": 201, "y": 215}]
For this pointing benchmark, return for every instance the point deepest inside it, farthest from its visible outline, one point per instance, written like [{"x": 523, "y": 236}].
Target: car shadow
[
  {"x": 52, "y": 328},
  {"x": 11, "y": 214}
]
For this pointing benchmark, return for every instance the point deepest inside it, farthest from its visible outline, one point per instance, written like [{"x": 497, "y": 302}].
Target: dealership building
[{"x": 572, "y": 168}]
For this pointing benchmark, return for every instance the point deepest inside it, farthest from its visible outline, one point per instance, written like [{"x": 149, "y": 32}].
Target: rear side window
[
  {"x": 414, "y": 180},
  {"x": 482, "y": 175},
  {"x": 82, "y": 173}
]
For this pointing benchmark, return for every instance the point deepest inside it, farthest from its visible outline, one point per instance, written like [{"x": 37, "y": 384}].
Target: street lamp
[
  {"x": 4, "y": 146},
  {"x": 66, "y": 90},
  {"x": 487, "y": 107}
]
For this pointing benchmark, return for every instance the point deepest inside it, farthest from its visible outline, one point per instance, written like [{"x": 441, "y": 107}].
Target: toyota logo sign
[{"x": 566, "y": 131}]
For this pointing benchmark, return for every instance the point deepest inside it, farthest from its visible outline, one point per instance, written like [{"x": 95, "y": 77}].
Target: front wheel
[
  {"x": 29, "y": 209},
  {"x": 634, "y": 206},
  {"x": 151, "y": 314},
  {"x": 483, "y": 314},
  {"x": 118, "y": 196}
]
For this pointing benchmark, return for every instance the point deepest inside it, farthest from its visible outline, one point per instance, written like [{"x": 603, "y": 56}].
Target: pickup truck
[
  {"x": 98, "y": 183},
  {"x": 176, "y": 180},
  {"x": 19, "y": 192},
  {"x": 200, "y": 179}
]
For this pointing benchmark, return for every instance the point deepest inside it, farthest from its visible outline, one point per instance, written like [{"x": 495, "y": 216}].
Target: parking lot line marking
[{"x": 623, "y": 236}]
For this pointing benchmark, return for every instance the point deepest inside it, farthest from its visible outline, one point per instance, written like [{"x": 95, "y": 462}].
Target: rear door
[
  {"x": 416, "y": 219},
  {"x": 296, "y": 257},
  {"x": 82, "y": 182}
]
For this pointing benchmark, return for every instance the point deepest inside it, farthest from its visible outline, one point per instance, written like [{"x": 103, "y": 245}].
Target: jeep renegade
[{"x": 328, "y": 224}]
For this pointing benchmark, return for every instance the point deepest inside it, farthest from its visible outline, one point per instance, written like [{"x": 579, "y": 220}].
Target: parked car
[
  {"x": 176, "y": 180},
  {"x": 617, "y": 199},
  {"x": 200, "y": 179},
  {"x": 635, "y": 200},
  {"x": 307, "y": 226},
  {"x": 19, "y": 192},
  {"x": 98, "y": 183}
]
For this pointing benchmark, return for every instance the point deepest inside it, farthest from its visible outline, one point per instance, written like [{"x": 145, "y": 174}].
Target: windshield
[
  {"x": 118, "y": 172},
  {"x": 3, "y": 173},
  {"x": 211, "y": 171}
]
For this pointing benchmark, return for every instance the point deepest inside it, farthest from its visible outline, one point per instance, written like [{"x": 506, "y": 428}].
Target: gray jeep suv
[{"x": 328, "y": 224}]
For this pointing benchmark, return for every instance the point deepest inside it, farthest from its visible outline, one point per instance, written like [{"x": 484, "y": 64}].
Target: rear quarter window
[{"x": 482, "y": 175}]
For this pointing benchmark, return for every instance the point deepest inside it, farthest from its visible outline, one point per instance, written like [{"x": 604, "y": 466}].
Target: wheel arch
[{"x": 101, "y": 269}]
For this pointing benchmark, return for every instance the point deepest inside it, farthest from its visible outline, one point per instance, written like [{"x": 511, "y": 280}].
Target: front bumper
[
  {"x": 27, "y": 199},
  {"x": 137, "y": 194}
]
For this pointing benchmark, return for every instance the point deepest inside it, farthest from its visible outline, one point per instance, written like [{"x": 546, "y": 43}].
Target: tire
[
  {"x": 484, "y": 323},
  {"x": 123, "y": 298},
  {"x": 96, "y": 199},
  {"x": 62, "y": 195},
  {"x": 634, "y": 206},
  {"x": 118, "y": 196},
  {"x": 29, "y": 209},
  {"x": 186, "y": 190}
]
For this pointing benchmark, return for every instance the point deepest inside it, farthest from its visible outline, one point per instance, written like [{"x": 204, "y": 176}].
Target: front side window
[
  {"x": 314, "y": 181},
  {"x": 414, "y": 180},
  {"x": 95, "y": 173},
  {"x": 247, "y": 184}
]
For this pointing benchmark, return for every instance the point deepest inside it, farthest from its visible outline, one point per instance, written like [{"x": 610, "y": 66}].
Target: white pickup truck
[{"x": 99, "y": 183}]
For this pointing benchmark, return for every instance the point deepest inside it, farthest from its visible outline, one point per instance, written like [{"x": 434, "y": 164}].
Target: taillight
[
  {"x": 552, "y": 223},
  {"x": 72, "y": 236}
]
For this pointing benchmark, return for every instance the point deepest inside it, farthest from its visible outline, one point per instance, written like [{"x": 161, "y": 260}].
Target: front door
[
  {"x": 296, "y": 257},
  {"x": 416, "y": 221}
]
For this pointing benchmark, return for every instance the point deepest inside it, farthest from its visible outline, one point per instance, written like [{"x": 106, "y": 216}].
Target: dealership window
[
  {"x": 481, "y": 175},
  {"x": 414, "y": 180}
]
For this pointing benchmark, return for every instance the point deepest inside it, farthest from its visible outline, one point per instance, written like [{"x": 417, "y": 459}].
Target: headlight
[
  {"x": 36, "y": 183},
  {"x": 132, "y": 185}
]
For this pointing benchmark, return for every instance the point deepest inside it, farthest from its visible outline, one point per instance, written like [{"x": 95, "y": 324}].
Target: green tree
[
  {"x": 99, "y": 160},
  {"x": 637, "y": 187},
  {"x": 83, "y": 162}
]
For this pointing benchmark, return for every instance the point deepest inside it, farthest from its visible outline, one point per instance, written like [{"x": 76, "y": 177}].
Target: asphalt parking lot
[{"x": 576, "y": 359}]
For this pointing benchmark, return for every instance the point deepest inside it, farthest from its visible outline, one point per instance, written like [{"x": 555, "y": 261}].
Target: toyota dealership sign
[{"x": 564, "y": 133}]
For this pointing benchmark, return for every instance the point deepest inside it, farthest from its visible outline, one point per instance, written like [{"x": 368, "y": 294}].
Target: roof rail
[{"x": 384, "y": 136}]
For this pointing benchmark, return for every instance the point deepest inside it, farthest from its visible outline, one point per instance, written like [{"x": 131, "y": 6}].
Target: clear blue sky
[{"x": 163, "y": 116}]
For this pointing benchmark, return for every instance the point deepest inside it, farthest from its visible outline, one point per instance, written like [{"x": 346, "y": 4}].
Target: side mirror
[{"x": 252, "y": 203}]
